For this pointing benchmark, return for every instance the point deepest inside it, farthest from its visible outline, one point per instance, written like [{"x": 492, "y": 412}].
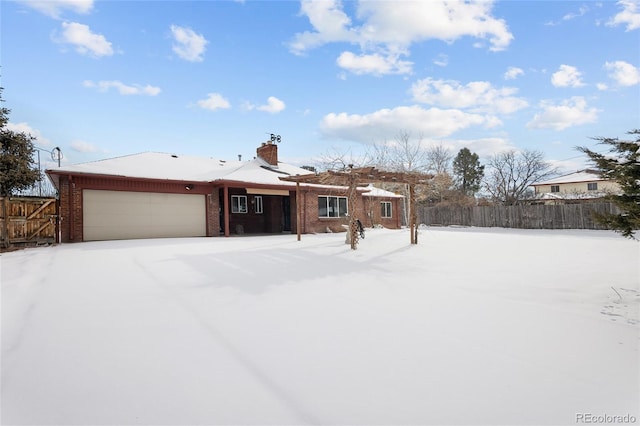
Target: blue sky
[{"x": 214, "y": 78}]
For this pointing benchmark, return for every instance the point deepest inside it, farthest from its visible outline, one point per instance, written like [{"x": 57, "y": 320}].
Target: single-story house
[
  {"x": 152, "y": 195},
  {"x": 583, "y": 185}
]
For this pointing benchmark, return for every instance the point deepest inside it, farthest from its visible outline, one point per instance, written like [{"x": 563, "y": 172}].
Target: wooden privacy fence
[
  {"x": 561, "y": 216},
  {"x": 26, "y": 221}
]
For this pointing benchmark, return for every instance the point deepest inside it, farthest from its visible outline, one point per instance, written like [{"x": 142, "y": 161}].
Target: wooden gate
[{"x": 27, "y": 221}]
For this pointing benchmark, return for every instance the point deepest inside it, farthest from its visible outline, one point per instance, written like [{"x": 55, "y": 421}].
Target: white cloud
[
  {"x": 567, "y": 76},
  {"x": 55, "y": 8},
  {"x": 214, "y": 101},
  {"x": 330, "y": 24},
  {"x": 387, "y": 29},
  {"x": 375, "y": 64},
  {"x": 602, "y": 86},
  {"x": 581, "y": 12},
  {"x": 442, "y": 60},
  {"x": 484, "y": 147},
  {"x": 27, "y": 129},
  {"x": 629, "y": 16},
  {"x": 477, "y": 96},
  {"x": 623, "y": 73},
  {"x": 187, "y": 44},
  {"x": 570, "y": 16},
  {"x": 513, "y": 72},
  {"x": 84, "y": 147},
  {"x": 385, "y": 123},
  {"x": 571, "y": 165},
  {"x": 85, "y": 41},
  {"x": 123, "y": 89},
  {"x": 571, "y": 112},
  {"x": 406, "y": 22},
  {"x": 273, "y": 106}
]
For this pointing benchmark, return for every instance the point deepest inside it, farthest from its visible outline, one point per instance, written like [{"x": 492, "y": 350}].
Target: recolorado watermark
[{"x": 603, "y": 419}]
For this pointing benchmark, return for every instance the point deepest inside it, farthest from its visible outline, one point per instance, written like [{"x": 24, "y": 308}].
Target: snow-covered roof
[
  {"x": 163, "y": 166},
  {"x": 372, "y": 191},
  {"x": 172, "y": 167},
  {"x": 156, "y": 165},
  {"x": 571, "y": 195},
  {"x": 259, "y": 171},
  {"x": 579, "y": 176}
]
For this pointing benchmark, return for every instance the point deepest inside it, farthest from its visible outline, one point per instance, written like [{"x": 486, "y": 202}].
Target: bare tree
[
  {"x": 512, "y": 173},
  {"x": 337, "y": 159},
  {"x": 405, "y": 154},
  {"x": 439, "y": 159}
]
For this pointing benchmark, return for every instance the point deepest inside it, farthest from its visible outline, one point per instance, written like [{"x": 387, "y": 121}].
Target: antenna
[
  {"x": 56, "y": 154},
  {"x": 275, "y": 138}
]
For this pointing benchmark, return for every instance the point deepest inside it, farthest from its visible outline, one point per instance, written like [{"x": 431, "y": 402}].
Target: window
[
  {"x": 386, "y": 208},
  {"x": 238, "y": 204},
  {"x": 592, "y": 186},
  {"x": 555, "y": 188},
  {"x": 332, "y": 206},
  {"x": 258, "y": 204}
]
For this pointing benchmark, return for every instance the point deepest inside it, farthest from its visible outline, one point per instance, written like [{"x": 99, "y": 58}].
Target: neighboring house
[
  {"x": 583, "y": 185},
  {"x": 152, "y": 195}
]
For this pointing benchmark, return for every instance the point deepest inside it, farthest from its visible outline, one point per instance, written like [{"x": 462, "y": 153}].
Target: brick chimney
[{"x": 268, "y": 151}]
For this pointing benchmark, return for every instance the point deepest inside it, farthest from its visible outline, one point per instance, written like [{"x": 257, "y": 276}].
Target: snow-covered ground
[{"x": 471, "y": 326}]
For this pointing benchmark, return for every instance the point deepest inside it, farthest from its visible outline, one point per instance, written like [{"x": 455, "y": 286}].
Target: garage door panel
[{"x": 109, "y": 215}]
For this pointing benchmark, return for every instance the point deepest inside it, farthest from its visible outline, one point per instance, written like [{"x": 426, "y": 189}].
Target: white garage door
[{"x": 118, "y": 215}]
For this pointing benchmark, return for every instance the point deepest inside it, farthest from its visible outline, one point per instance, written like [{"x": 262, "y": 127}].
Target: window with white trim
[
  {"x": 238, "y": 204},
  {"x": 258, "y": 206},
  {"x": 592, "y": 186},
  {"x": 385, "y": 208},
  {"x": 332, "y": 206}
]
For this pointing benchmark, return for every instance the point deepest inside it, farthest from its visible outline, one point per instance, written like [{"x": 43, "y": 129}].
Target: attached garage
[{"x": 119, "y": 215}]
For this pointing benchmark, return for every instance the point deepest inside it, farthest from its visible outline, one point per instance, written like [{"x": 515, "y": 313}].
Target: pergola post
[
  {"x": 413, "y": 214},
  {"x": 353, "y": 227}
]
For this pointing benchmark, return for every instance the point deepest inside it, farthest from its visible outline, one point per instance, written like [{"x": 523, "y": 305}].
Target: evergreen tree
[
  {"x": 623, "y": 166},
  {"x": 468, "y": 172},
  {"x": 17, "y": 168}
]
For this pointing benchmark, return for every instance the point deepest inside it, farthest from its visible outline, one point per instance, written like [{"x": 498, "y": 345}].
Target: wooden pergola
[{"x": 352, "y": 178}]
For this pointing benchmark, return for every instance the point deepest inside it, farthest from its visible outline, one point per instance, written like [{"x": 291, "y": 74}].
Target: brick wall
[
  {"x": 367, "y": 209},
  {"x": 269, "y": 153},
  {"x": 373, "y": 207},
  {"x": 70, "y": 210},
  {"x": 213, "y": 216}
]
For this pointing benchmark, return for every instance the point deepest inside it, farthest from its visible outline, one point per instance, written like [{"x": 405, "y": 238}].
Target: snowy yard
[{"x": 472, "y": 326}]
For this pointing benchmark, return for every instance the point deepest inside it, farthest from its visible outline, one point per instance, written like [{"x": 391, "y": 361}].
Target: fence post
[{"x": 5, "y": 222}]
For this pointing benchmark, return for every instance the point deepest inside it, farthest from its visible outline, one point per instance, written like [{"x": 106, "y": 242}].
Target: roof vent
[{"x": 174, "y": 156}]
